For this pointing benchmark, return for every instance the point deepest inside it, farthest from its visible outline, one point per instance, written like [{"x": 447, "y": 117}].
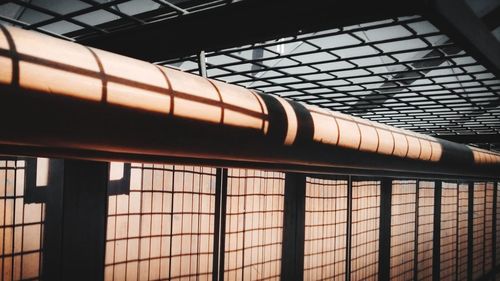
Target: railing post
[
  {"x": 494, "y": 231},
  {"x": 384, "y": 266},
  {"x": 415, "y": 245},
  {"x": 349, "y": 229},
  {"x": 219, "y": 225},
  {"x": 52, "y": 230},
  {"x": 84, "y": 219},
  {"x": 470, "y": 231},
  {"x": 436, "y": 236},
  {"x": 292, "y": 257}
]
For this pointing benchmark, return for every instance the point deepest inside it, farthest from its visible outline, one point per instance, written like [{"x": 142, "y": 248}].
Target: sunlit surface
[
  {"x": 365, "y": 228},
  {"x": 481, "y": 229},
  {"x": 21, "y": 226},
  {"x": 498, "y": 228},
  {"x": 463, "y": 224},
  {"x": 254, "y": 225},
  {"x": 403, "y": 229},
  {"x": 449, "y": 208},
  {"x": 425, "y": 229},
  {"x": 325, "y": 229},
  {"x": 163, "y": 229}
]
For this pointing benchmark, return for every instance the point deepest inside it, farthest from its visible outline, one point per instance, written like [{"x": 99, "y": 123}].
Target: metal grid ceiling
[
  {"x": 402, "y": 72},
  {"x": 78, "y": 19}
]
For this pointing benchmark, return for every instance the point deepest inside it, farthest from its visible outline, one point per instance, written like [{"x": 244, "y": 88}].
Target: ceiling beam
[{"x": 245, "y": 22}]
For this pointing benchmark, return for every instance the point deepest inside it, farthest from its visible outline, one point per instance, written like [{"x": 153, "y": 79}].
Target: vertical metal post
[
  {"x": 292, "y": 257},
  {"x": 457, "y": 234},
  {"x": 84, "y": 219},
  {"x": 202, "y": 66},
  {"x": 415, "y": 245},
  {"x": 52, "y": 230},
  {"x": 484, "y": 228},
  {"x": 494, "y": 230},
  {"x": 384, "y": 266},
  {"x": 349, "y": 229},
  {"x": 220, "y": 203},
  {"x": 436, "y": 236},
  {"x": 219, "y": 225},
  {"x": 470, "y": 232}
]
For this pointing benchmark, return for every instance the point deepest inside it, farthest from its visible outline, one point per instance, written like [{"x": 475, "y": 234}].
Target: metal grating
[
  {"x": 164, "y": 228},
  {"x": 425, "y": 229},
  {"x": 449, "y": 216},
  {"x": 402, "y": 72},
  {"x": 365, "y": 230},
  {"x": 325, "y": 229},
  {"x": 79, "y": 19},
  {"x": 254, "y": 225},
  {"x": 21, "y": 225},
  {"x": 403, "y": 229}
]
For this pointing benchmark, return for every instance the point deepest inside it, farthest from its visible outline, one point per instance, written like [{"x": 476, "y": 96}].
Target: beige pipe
[{"x": 60, "y": 95}]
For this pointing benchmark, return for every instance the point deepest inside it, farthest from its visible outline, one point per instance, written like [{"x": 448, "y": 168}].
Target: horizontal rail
[{"x": 59, "y": 96}]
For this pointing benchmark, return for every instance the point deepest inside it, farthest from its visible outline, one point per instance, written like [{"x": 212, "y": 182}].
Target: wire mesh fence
[
  {"x": 164, "y": 226},
  {"x": 21, "y": 225}
]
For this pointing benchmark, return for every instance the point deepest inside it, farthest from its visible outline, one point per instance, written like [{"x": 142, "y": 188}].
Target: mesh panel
[
  {"x": 498, "y": 226},
  {"x": 254, "y": 225},
  {"x": 164, "y": 228},
  {"x": 21, "y": 225},
  {"x": 365, "y": 230},
  {"x": 449, "y": 212},
  {"x": 325, "y": 229},
  {"x": 478, "y": 231},
  {"x": 488, "y": 228},
  {"x": 403, "y": 229},
  {"x": 425, "y": 229}
]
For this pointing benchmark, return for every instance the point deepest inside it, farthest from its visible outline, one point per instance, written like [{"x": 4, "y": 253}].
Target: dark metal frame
[
  {"x": 384, "y": 265},
  {"x": 470, "y": 231},
  {"x": 292, "y": 257},
  {"x": 436, "y": 233},
  {"x": 220, "y": 224}
]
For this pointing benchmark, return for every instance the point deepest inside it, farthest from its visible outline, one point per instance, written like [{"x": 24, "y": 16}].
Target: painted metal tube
[{"x": 61, "y": 96}]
